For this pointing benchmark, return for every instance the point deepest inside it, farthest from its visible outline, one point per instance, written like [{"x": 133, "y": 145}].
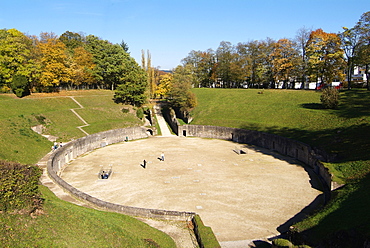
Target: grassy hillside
[
  {"x": 298, "y": 115},
  {"x": 67, "y": 225},
  {"x": 19, "y": 143},
  {"x": 291, "y": 113},
  {"x": 63, "y": 224}
]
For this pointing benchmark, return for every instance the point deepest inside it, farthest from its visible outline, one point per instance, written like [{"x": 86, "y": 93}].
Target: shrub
[
  {"x": 330, "y": 98},
  {"x": 204, "y": 234},
  {"x": 40, "y": 119},
  {"x": 19, "y": 187},
  {"x": 20, "y": 86},
  {"x": 125, "y": 110},
  {"x": 282, "y": 243},
  {"x": 140, "y": 113}
]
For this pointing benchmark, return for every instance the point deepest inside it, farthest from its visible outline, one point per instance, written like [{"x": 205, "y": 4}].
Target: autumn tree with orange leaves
[
  {"x": 325, "y": 57},
  {"x": 285, "y": 60}
]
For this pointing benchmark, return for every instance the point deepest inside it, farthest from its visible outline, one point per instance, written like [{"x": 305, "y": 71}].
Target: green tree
[
  {"x": 124, "y": 46},
  {"x": 72, "y": 40},
  {"x": 20, "y": 86},
  {"x": 224, "y": 58},
  {"x": 351, "y": 43},
  {"x": 152, "y": 73},
  {"x": 203, "y": 65},
  {"x": 250, "y": 54},
  {"x": 109, "y": 60},
  {"x": 267, "y": 72},
  {"x": 132, "y": 85},
  {"x": 255, "y": 62},
  {"x": 181, "y": 97},
  {"x": 16, "y": 56}
]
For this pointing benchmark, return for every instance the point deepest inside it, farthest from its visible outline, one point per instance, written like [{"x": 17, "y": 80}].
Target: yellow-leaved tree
[
  {"x": 325, "y": 57},
  {"x": 284, "y": 59},
  {"x": 53, "y": 61},
  {"x": 164, "y": 86}
]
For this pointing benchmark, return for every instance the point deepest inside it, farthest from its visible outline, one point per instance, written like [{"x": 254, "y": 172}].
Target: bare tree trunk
[{"x": 367, "y": 77}]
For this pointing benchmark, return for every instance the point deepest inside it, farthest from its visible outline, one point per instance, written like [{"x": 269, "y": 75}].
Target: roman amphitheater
[
  {"x": 243, "y": 192},
  {"x": 241, "y": 196}
]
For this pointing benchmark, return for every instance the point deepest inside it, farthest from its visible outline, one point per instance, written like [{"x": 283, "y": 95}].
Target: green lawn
[
  {"x": 19, "y": 143},
  {"x": 67, "y": 225},
  {"x": 294, "y": 114},
  {"x": 298, "y": 114},
  {"x": 103, "y": 114}
]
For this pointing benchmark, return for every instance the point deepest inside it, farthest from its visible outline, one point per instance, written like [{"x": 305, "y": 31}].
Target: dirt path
[{"x": 161, "y": 122}]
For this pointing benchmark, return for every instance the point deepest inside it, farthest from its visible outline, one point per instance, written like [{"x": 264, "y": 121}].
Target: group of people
[
  {"x": 161, "y": 158},
  {"x": 56, "y": 145}
]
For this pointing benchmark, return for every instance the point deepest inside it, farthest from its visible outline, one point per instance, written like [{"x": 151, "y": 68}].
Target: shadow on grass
[
  {"x": 312, "y": 106},
  {"x": 261, "y": 244},
  {"x": 343, "y": 226},
  {"x": 354, "y": 104},
  {"x": 344, "y": 143}
]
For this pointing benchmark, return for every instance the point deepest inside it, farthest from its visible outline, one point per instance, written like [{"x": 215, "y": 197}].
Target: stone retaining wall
[
  {"x": 170, "y": 117},
  {"x": 62, "y": 156},
  {"x": 288, "y": 147}
]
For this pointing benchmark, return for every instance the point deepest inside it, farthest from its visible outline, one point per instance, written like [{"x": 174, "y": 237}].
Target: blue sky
[{"x": 170, "y": 29}]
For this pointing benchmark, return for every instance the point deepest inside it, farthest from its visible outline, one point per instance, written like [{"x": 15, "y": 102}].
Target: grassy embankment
[
  {"x": 294, "y": 114},
  {"x": 298, "y": 115},
  {"x": 64, "y": 224}
]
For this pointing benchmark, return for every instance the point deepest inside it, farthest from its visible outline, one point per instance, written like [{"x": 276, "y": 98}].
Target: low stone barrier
[
  {"x": 288, "y": 147},
  {"x": 63, "y": 155}
]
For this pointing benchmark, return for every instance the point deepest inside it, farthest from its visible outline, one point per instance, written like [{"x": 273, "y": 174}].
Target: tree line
[
  {"x": 312, "y": 56},
  {"x": 48, "y": 62}
]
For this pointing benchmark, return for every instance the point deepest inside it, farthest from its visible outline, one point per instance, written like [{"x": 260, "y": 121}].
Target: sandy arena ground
[{"x": 242, "y": 197}]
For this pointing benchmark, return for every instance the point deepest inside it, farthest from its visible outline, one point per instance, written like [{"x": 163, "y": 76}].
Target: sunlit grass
[
  {"x": 18, "y": 115},
  {"x": 295, "y": 114},
  {"x": 63, "y": 224}
]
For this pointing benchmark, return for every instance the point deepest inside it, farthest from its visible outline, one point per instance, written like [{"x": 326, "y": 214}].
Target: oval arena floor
[{"x": 241, "y": 196}]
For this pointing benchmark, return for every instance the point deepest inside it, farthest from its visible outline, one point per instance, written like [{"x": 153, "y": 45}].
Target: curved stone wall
[
  {"x": 62, "y": 156},
  {"x": 288, "y": 147}
]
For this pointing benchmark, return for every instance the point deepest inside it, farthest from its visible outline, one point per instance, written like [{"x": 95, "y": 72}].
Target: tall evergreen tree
[{"x": 132, "y": 85}]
